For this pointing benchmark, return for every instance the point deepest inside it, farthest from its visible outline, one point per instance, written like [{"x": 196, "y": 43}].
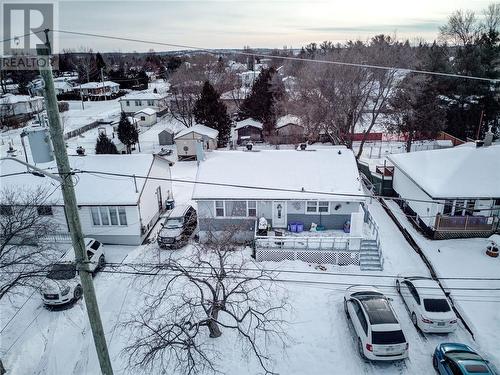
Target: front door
[{"x": 279, "y": 214}]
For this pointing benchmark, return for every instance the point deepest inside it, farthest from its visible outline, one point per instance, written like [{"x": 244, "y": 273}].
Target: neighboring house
[
  {"x": 98, "y": 90},
  {"x": 133, "y": 102},
  {"x": 248, "y": 78},
  {"x": 166, "y": 137},
  {"x": 63, "y": 87},
  {"x": 146, "y": 117},
  {"x": 20, "y": 106},
  {"x": 117, "y": 210},
  {"x": 234, "y": 98},
  {"x": 248, "y": 130},
  {"x": 10, "y": 88},
  {"x": 295, "y": 180},
  {"x": 450, "y": 193},
  {"x": 194, "y": 141},
  {"x": 289, "y": 129}
]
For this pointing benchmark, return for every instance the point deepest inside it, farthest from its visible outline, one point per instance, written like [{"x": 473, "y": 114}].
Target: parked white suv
[
  {"x": 377, "y": 328},
  {"x": 62, "y": 283},
  {"x": 429, "y": 308}
]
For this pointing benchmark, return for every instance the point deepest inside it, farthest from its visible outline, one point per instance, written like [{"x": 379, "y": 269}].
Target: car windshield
[
  {"x": 388, "y": 337},
  {"x": 173, "y": 222},
  {"x": 62, "y": 272},
  {"x": 436, "y": 305}
]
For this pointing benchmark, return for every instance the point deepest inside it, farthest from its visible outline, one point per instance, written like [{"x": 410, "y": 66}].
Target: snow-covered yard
[{"x": 77, "y": 116}]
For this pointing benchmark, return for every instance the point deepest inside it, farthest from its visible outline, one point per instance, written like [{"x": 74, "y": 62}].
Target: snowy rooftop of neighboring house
[
  {"x": 62, "y": 84},
  {"x": 200, "y": 129},
  {"x": 96, "y": 85},
  {"x": 13, "y": 99},
  {"x": 147, "y": 111},
  {"x": 236, "y": 94},
  {"x": 316, "y": 171},
  {"x": 287, "y": 119},
  {"x": 90, "y": 189},
  {"x": 459, "y": 172},
  {"x": 249, "y": 122},
  {"x": 142, "y": 96}
]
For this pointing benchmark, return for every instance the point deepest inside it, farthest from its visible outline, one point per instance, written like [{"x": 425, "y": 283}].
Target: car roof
[
  {"x": 427, "y": 287},
  {"x": 474, "y": 367},
  {"x": 378, "y": 309},
  {"x": 179, "y": 210}
]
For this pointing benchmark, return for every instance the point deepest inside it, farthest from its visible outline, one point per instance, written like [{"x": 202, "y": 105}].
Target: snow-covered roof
[
  {"x": 458, "y": 172},
  {"x": 13, "y": 99},
  {"x": 287, "y": 119},
  {"x": 249, "y": 122},
  {"x": 147, "y": 111},
  {"x": 200, "y": 129},
  {"x": 62, "y": 84},
  {"x": 142, "y": 96},
  {"x": 90, "y": 189},
  {"x": 307, "y": 173},
  {"x": 95, "y": 85}
]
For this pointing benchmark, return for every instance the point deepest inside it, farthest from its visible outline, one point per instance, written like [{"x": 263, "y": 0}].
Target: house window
[
  {"x": 252, "y": 208},
  {"x": 323, "y": 207},
  {"x": 138, "y": 103},
  {"x": 312, "y": 207},
  {"x": 236, "y": 208},
  {"x": 143, "y": 118},
  {"x": 127, "y": 103},
  {"x": 219, "y": 208},
  {"x": 44, "y": 210},
  {"x": 497, "y": 202},
  {"x": 108, "y": 215},
  {"x": 5, "y": 210},
  {"x": 448, "y": 207},
  {"x": 151, "y": 103}
]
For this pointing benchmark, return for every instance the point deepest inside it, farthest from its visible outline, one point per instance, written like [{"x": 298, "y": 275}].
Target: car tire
[
  {"x": 78, "y": 292},
  {"x": 414, "y": 319},
  {"x": 360, "y": 350},
  {"x": 102, "y": 262},
  {"x": 435, "y": 362},
  {"x": 398, "y": 287}
]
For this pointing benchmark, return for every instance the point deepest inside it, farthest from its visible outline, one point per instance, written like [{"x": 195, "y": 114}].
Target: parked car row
[{"x": 380, "y": 336}]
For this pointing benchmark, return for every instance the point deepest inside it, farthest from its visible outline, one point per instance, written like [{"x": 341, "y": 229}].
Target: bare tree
[
  {"x": 184, "y": 91},
  {"x": 462, "y": 28},
  {"x": 23, "y": 225},
  {"x": 201, "y": 295}
]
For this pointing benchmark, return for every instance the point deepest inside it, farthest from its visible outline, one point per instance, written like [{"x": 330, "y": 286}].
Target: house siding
[{"x": 329, "y": 221}]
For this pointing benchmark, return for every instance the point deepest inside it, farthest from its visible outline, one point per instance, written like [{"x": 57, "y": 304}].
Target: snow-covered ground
[
  {"x": 39, "y": 341},
  {"x": 466, "y": 258},
  {"x": 77, "y": 116}
]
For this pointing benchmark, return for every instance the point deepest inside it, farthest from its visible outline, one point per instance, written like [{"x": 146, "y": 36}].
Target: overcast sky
[{"x": 234, "y": 24}]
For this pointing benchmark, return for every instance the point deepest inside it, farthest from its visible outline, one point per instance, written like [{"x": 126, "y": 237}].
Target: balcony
[{"x": 465, "y": 223}]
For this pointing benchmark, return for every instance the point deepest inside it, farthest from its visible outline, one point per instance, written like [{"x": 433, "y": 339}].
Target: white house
[
  {"x": 294, "y": 191},
  {"x": 133, "y": 102},
  {"x": 194, "y": 141},
  {"x": 453, "y": 192},
  {"x": 98, "y": 90},
  {"x": 62, "y": 87},
  {"x": 20, "y": 105},
  {"x": 145, "y": 117},
  {"x": 112, "y": 209}
]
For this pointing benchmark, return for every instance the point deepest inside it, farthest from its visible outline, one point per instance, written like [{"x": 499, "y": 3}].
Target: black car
[{"x": 178, "y": 227}]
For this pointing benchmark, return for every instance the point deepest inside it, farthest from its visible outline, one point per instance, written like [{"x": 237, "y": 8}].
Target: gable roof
[
  {"x": 249, "y": 122},
  {"x": 91, "y": 189},
  {"x": 142, "y": 96},
  {"x": 288, "y": 119},
  {"x": 7, "y": 99},
  {"x": 200, "y": 129},
  {"x": 96, "y": 85},
  {"x": 147, "y": 111},
  {"x": 324, "y": 171},
  {"x": 459, "y": 172}
]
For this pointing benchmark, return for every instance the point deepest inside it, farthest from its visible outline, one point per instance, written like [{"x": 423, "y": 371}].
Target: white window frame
[
  {"x": 315, "y": 212},
  {"x": 223, "y": 208},
  {"x": 327, "y": 208},
  {"x": 106, "y": 210}
]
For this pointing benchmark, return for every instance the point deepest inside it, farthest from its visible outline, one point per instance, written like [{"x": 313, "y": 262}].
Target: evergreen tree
[
  {"x": 210, "y": 111},
  {"x": 260, "y": 103},
  {"x": 127, "y": 133},
  {"x": 104, "y": 145},
  {"x": 100, "y": 62}
]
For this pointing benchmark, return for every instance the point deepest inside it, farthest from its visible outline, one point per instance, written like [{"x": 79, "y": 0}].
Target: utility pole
[{"x": 67, "y": 187}]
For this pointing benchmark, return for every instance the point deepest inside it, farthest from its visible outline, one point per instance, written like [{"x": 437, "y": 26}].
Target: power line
[{"x": 291, "y": 58}]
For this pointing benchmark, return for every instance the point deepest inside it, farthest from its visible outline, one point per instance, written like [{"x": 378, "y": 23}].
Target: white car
[
  {"x": 62, "y": 283},
  {"x": 429, "y": 308},
  {"x": 380, "y": 337}
]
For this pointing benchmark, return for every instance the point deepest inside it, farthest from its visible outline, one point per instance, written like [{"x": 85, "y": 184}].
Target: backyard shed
[{"x": 197, "y": 139}]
